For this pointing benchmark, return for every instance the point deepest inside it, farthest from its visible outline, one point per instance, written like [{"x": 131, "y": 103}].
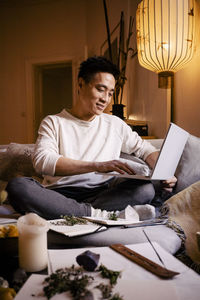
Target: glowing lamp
[{"x": 165, "y": 36}]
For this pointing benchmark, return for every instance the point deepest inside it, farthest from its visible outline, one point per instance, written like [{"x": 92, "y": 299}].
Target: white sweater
[{"x": 101, "y": 139}]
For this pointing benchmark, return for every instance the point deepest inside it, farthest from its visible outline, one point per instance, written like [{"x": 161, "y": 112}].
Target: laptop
[{"x": 169, "y": 156}]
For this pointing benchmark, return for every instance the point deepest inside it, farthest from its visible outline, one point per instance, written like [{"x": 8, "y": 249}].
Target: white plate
[
  {"x": 75, "y": 230},
  {"x": 129, "y": 289}
]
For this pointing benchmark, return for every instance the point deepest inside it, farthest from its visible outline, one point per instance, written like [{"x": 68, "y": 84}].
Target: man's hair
[{"x": 96, "y": 64}]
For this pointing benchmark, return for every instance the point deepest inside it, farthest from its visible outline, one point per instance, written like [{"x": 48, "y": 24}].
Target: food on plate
[{"x": 9, "y": 230}]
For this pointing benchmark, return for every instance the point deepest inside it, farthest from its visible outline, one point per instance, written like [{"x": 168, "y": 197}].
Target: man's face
[{"x": 97, "y": 94}]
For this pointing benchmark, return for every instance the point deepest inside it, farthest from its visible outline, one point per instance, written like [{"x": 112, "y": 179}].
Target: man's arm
[
  {"x": 67, "y": 167},
  {"x": 152, "y": 158}
]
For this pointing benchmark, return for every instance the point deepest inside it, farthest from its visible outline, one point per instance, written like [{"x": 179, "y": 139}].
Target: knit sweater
[{"x": 101, "y": 139}]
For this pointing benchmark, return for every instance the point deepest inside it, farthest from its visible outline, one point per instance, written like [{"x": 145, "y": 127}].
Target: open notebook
[{"x": 168, "y": 159}]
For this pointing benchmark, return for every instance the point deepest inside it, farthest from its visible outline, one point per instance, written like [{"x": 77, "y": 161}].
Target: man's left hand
[{"x": 169, "y": 184}]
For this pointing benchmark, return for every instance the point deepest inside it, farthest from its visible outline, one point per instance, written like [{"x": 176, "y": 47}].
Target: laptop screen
[{"x": 170, "y": 153}]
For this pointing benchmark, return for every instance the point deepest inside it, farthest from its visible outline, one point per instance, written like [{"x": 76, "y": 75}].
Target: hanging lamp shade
[{"x": 165, "y": 35}]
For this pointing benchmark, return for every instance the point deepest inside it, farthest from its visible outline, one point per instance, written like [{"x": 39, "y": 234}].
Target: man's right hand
[{"x": 114, "y": 165}]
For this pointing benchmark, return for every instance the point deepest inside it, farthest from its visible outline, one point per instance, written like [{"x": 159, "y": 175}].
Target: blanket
[{"x": 184, "y": 209}]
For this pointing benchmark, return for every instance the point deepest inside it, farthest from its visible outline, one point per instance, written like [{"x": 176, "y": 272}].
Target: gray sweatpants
[{"x": 28, "y": 195}]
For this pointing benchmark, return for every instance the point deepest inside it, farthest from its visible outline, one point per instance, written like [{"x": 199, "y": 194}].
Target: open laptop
[{"x": 169, "y": 156}]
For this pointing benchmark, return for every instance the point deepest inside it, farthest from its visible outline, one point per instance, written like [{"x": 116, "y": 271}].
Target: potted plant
[{"x": 123, "y": 53}]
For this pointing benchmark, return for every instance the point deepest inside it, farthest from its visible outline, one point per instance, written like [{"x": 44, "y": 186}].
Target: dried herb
[
  {"x": 71, "y": 280},
  {"x": 70, "y": 221},
  {"x": 106, "y": 290},
  {"x": 111, "y": 275},
  {"x": 74, "y": 280},
  {"x": 113, "y": 216},
  {"x": 88, "y": 296},
  {"x": 116, "y": 297}
]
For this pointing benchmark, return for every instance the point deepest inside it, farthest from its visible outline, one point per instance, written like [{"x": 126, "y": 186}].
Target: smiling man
[{"x": 75, "y": 144}]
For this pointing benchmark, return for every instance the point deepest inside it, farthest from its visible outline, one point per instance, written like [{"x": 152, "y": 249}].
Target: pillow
[
  {"x": 188, "y": 170},
  {"x": 17, "y": 161}
]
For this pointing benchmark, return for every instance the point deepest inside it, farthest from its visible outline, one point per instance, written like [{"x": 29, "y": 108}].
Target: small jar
[{"x": 32, "y": 242}]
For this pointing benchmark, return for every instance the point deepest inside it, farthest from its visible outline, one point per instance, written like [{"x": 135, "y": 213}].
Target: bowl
[{"x": 8, "y": 240}]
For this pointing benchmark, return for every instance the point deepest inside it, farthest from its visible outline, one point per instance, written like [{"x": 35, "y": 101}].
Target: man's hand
[
  {"x": 169, "y": 184},
  {"x": 114, "y": 165}
]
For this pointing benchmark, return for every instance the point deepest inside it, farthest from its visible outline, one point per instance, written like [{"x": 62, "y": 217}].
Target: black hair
[{"x": 97, "y": 64}]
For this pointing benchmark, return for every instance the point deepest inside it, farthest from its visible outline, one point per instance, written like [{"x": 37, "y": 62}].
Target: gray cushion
[
  {"x": 161, "y": 234},
  {"x": 188, "y": 170}
]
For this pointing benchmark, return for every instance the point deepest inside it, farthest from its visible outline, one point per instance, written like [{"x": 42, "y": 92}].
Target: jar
[{"x": 32, "y": 243}]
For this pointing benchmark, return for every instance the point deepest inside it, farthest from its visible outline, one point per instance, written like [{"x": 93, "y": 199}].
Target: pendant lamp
[{"x": 165, "y": 36}]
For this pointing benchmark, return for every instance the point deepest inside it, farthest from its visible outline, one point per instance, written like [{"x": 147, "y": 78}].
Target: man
[{"x": 75, "y": 144}]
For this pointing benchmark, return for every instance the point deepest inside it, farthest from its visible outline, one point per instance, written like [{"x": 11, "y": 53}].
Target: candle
[{"x": 32, "y": 242}]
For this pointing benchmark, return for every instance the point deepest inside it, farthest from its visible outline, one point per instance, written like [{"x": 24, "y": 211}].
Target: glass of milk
[{"x": 32, "y": 242}]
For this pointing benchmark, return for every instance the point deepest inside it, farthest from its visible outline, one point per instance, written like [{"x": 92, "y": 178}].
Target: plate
[{"x": 75, "y": 230}]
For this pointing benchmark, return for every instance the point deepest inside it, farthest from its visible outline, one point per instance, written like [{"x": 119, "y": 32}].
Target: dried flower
[{"x": 122, "y": 55}]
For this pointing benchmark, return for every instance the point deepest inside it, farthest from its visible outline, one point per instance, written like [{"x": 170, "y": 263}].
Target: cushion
[
  {"x": 184, "y": 209},
  {"x": 188, "y": 170},
  {"x": 16, "y": 161},
  {"x": 161, "y": 234}
]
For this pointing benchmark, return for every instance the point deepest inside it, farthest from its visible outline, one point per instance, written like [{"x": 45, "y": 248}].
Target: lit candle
[{"x": 32, "y": 242}]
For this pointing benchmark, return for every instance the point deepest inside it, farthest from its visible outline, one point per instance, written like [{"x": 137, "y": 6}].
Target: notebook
[{"x": 168, "y": 159}]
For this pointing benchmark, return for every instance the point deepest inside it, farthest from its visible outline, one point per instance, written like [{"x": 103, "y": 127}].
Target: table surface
[{"x": 135, "y": 280}]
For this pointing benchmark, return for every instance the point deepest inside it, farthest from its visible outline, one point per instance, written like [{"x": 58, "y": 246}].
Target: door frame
[{"x": 30, "y": 65}]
